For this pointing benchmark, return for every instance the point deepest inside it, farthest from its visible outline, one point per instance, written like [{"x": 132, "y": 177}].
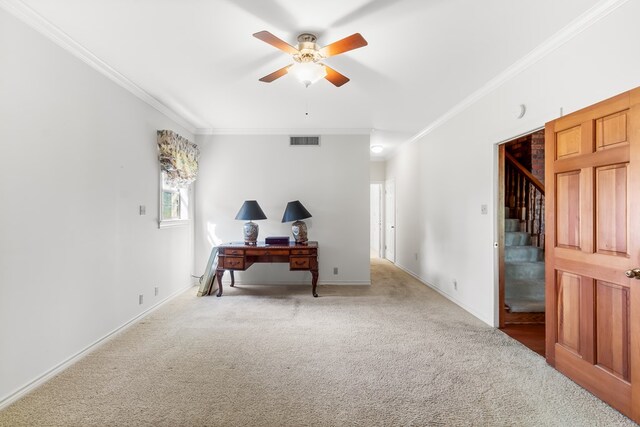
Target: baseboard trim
[
  {"x": 347, "y": 283},
  {"x": 38, "y": 381},
  {"x": 447, "y": 296},
  {"x": 226, "y": 283}
]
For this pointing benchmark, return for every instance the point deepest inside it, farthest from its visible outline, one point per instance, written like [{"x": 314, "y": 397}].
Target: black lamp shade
[
  {"x": 295, "y": 211},
  {"x": 250, "y": 210}
]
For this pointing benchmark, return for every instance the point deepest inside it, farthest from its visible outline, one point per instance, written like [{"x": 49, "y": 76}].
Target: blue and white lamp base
[{"x": 250, "y": 233}]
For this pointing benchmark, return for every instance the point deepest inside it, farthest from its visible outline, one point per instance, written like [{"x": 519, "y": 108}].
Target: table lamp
[
  {"x": 295, "y": 212},
  {"x": 250, "y": 210}
]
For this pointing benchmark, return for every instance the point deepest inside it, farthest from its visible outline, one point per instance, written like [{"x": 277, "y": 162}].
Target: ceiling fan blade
[
  {"x": 274, "y": 41},
  {"x": 335, "y": 77},
  {"x": 276, "y": 74},
  {"x": 354, "y": 41}
]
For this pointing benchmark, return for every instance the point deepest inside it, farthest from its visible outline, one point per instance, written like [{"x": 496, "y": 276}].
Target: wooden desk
[{"x": 239, "y": 257}]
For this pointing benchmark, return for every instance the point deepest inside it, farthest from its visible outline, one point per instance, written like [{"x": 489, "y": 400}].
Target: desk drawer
[
  {"x": 302, "y": 251},
  {"x": 228, "y": 251},
  {"x": 233, "y": 263},
  {"x": 265, "y": 252},
  {"x": 299, "y": 263}
]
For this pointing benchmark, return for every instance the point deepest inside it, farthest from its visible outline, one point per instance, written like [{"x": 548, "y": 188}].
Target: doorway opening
[
  {"x": 390, "y": 220},
  {"x": 521, "y": 223},
  {"x": 375, "y": 221}
]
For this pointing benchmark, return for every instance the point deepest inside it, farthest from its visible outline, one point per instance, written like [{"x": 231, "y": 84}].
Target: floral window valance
[{"x": 178, "y": 158}]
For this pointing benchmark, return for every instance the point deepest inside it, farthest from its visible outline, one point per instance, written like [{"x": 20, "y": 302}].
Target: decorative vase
[
  {"x": 299, "y": 230},
  {"x": 251, "y": 233}
]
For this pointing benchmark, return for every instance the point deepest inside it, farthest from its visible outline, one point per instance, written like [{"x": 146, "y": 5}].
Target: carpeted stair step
[
  {"x": 523, "y": 253},
  {"x": 524, "y": 270},
  {"x": 527, "y": 288},
  {"x": 511, "y": 224},
  {"x": 525, "y": 295},
  {"x": 516, "y": 238}
]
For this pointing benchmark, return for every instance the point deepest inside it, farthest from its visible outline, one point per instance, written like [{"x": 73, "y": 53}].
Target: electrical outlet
[
  {"x": 335, "y": 270},
  {"x": 143, "y": 210},
  {"x": 416, "y": 256},
  {"x": 455, "y": 285},
  {"x": 156, "y": 290},
  {"x": 140, "y": 299},
  {"x": 484, "y": 209}
]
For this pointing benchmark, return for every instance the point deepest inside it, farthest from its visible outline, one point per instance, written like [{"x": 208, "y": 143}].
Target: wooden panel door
[{"x": 593, "y": 239}]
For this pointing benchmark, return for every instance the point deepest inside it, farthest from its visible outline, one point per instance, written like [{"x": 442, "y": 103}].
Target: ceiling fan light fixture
[
  {"x": 307, "y": 72},
  {"x": 307, "y": 56}
]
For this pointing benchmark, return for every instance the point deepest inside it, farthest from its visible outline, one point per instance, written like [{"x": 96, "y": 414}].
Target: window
[
  {"x": 178, "y": 170},
  {"x": 174, "y": 203}
]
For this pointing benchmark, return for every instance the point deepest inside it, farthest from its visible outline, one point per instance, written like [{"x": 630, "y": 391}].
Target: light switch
[
  {"x": 484, "y": 209},
  {"x": 143, "y": 210}
]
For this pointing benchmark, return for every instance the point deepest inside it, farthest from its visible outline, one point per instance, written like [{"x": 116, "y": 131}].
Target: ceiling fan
[{"x": 307, "y": 57}]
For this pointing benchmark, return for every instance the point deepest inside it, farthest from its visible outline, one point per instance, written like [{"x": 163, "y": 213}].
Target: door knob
[{"x": 633, "y": 274}]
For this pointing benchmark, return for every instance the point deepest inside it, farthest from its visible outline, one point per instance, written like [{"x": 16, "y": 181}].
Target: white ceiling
[{"x": 198, "y": 57}]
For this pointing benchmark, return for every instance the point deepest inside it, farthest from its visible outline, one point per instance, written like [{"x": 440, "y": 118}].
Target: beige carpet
[{"x": 395, "y": 353}]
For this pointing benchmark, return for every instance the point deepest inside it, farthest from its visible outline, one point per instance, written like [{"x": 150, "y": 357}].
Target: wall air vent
[{"x": 304, "y": 140}]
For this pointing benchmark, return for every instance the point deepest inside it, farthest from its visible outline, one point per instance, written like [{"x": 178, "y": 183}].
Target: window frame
[{"x": 184, "y": 204}]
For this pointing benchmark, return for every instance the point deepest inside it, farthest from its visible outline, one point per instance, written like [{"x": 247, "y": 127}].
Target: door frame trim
[
  {"x": 501, "y": 223},
  {"x": 380, "y": 248},
  {"x": 395, "y": 219},
  {"x": 499, "y": 312}
]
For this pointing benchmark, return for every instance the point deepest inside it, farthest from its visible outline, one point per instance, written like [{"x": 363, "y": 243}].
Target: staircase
[
  {"x": 524, "y": 269},
  {"x": 524, "y": 275}
]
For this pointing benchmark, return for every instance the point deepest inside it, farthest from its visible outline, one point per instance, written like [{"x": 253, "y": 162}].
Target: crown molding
[
  {"x": 575, "y": 27},
  {"x": 283, "y": 131},
  {"x": 30, "y": 17}
]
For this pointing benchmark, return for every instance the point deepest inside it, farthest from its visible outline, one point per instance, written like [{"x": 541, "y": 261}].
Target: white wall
[
  {"x": 443, "y": 178},
  {"x": 331, "y": 181},
  {"x": 78, "y": 158},
  {"x": 377, "y": 171}
]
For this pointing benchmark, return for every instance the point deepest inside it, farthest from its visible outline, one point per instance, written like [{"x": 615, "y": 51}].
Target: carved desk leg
[
  {"x": 233, "y": 279},
  {"x": 219, "y": 274},
  {"x": 314, "y": 282}
]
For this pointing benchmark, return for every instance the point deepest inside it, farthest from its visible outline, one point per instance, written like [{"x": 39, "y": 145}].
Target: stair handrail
[{"x": 535, "y": 181}]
